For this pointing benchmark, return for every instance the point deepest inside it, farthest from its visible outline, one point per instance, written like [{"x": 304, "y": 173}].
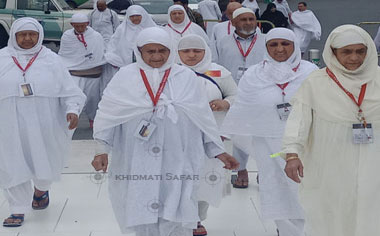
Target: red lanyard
[
  {"x": 29, "y": 63},
  {"x": 249, "y": 48},
  {"x": 283, "y": 87},
  {"x": 160, "y": 89},
  {"x": 361, "y": 95},
  {"x": 183, "y": 31},
  {"x": 81, "y": 39},
  {"x": 229, "y": 28}
]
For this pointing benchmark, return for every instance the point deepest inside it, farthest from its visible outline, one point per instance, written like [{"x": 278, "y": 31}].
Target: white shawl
[
  {"x": 123, "y": 41},
  {"x": 76, "y": 56},
  {"x": 307, "y": 21}
]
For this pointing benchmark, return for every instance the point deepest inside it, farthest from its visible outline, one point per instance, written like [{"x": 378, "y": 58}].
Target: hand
[
  {"x": 219, "y": 105},
  {"x": 294, "y": 169},
  {"x": 100, "y": 162},
  {"x": 73, "y": 119},
  {"x": 229, "y": 161}
]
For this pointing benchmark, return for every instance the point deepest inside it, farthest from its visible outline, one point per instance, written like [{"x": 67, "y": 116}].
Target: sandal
[
  {"x": 38, "y": 200},
  {"x": 239, "y": 183},
  {"x": 16, "y": 221},
  {"x": 203, "y": 231}
]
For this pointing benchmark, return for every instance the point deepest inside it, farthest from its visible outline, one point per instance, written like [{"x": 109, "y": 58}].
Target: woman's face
[
  {"x": 27, "y": 39},
  {"x": 351, "y": 56},
  {"x": 280, "y": 49},
  {"x": 136, "y": 19},
  {"x": 273, "y": 9},
  {"x": 191, "y": 57}
]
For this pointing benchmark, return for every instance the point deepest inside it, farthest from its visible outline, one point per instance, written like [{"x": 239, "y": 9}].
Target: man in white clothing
[
  {"x": 306, "y": 26},
  {"x": 224, "y": 28},
  {"x": 211, "y": 14},
  {"x": 40, "y": 104},
  {"x": 283, "y": 7},
  {"x": 82, "y": 52},
  {"x": 159, "y": 132},
  {"x": 237, "y": 52},
  {"x": 103, "y": 20},
  {"x": 252, "y": 4}
]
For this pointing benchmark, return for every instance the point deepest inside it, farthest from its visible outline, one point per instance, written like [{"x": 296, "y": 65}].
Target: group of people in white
[{"x": 162, "y": 101}]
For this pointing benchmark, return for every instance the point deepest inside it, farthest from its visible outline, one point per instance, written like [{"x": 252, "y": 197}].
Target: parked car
[{"x": 54, "y": 16}]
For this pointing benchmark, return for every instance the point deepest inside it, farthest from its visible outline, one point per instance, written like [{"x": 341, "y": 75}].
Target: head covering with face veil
[
  {"x": 38, "y": 120},
  {"x": 120, "y": 48},
  {"x": 182, "y": 117},
  {"x": 320, "y": 131}
]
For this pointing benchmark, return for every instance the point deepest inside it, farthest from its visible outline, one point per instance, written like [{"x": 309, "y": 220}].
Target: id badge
[
  {"x": 26, "y": 90},
  {"x": 241, "y": 71},
  {"x": 89, "y": 56},
  {"x": 283, "y": 110},
  {"x": 362, "y": 135},
  {"x": 145, "y": 130}
]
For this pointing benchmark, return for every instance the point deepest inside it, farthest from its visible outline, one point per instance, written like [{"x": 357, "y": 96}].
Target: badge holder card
[
  {"x": 362, "y": 134},
  {"x": 283, "y": 110},
  {"x": 26, "y": 90},
  {"x": 145, "y": 130}
]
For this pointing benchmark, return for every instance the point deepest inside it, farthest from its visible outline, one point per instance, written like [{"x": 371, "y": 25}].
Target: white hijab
[
  {"x": 179, "y": 27},
  {"x": 123, "y": 41},
  {"x": 193, "y": 41},
  {"x": 281, "y": 72},
  {"x": 347, "y": 35},
  {"x": 159, "y": 36},
  {"x": 25, "y": 23}
]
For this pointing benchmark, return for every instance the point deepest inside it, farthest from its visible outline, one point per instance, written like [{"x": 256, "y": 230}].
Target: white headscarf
[
  {"x": 179, "y": 27},
  {"x": 25, "y": 23},
  {"x": 193, "y": 41},
  {"x": 347, "y": 35},
  {"x": 154, "y": 35},
  {"x": 123, "y": 41},
  {"x": 281, "y": 72},
  {"x": 79, "y": 18}
]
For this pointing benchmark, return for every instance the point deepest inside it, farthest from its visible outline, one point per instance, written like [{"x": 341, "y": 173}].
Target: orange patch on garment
[{"x": 214, "y": 73}]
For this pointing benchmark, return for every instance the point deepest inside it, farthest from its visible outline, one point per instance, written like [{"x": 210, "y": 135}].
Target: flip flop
[
  {"x": 14, "y": 223},
  {"x": 39, "y": 199},
  {"x": 202, "y": 233},
  {"x": 242, "y": 185}
]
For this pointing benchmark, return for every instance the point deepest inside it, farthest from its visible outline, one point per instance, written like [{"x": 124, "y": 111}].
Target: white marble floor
[{"x": 79, "y": 206}]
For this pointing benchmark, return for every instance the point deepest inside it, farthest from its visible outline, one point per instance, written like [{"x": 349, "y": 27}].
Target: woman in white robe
[
  {"x": 221, "y": 90},
  {"x": 34, "y": 130},
  {"x": 339, "y": 165},
  {"x": 180, "y": 29},
  {"x": 123, "y": 41},
  {"x": 257, "y": 121},
  {"x": 119, "y": 51},
  {"x": 154, "y": 173}
]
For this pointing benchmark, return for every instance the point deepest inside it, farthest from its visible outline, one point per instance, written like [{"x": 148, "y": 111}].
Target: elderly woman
[
  {"x": 180, "y": 25},
  {"x": 120, "y": 48},
  {"x": 221, "y": 90},
  {"x": 257, "y": 122},
  {"x": 38, "y": 98},
  {"x": 158, "y": 131},
  {"x": 331, "y": 138}
]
